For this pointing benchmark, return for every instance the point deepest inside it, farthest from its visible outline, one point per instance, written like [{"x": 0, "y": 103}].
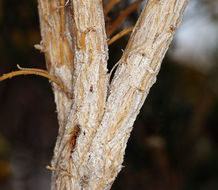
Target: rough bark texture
[{"x": 96, "y": 118}]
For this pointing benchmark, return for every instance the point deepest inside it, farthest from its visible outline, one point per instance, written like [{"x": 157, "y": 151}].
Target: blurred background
[{"x": 174, "y": 144}]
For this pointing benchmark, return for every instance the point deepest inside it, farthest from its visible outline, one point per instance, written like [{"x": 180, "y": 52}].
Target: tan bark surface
[{"x": 96, "y": 118}]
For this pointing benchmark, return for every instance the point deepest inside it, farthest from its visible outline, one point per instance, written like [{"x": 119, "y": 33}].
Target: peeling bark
[{"x": 97, "y": 118}]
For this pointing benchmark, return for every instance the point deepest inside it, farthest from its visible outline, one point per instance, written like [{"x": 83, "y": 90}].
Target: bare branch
[
  {"x": 109, "y": 6},
  {"x": 74, "y": 42},
  {"x": 111, "y": 28},
  {"x": 120, "y": 35},
  {"x": 33, "y": 71},
  {"x": 74, "y": 38},
  {"x": 133, "y": 79}
]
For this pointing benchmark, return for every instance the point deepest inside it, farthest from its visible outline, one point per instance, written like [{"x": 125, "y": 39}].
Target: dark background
[{"x": 174, "y": 144}]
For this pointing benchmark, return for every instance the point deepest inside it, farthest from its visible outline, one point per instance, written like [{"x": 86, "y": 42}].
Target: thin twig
[
  {"x": 120, "y": 35},
  {"x": 115, "y": 25},
  {"x": 59, "y": 170},
  {"x": 109, "y": 76},
  {"x": 33, "y": 71},
  {"x": 109, "y": 6}
]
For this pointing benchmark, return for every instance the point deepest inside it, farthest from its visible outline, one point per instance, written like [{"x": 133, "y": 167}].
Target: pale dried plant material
[{"x": 75, "y": 47}]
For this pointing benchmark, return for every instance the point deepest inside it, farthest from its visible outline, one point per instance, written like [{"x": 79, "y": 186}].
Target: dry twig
[
  {"x": 109, "y": 6},
  {"x": 120, "y": 35},
  {"x": 123, "y": 14},
  {"x": 33, "y": 71}
]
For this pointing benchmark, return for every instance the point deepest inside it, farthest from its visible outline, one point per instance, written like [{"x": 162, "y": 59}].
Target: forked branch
[{"x": 76, "y": 52}]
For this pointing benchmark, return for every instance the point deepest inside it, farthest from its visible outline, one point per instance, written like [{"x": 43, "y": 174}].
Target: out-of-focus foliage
[{"x": 174, "y": 144}]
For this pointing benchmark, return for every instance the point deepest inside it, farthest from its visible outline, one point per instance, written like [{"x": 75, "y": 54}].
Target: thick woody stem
[
  {"x": 133, "y": 79},
  {"x": 57, "y": 44},
  {"x": 74, "y": 42},
  {"x": 94, "y": 130}
]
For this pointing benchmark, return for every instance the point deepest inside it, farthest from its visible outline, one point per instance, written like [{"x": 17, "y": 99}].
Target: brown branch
[
  {"x": 109, "y": 6},
  {"x": 115, "y": 25},
  {"x": 33, "y": 71},
  {"x": 120, "y": 35},
  {"x": 59, "y": 170}
]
